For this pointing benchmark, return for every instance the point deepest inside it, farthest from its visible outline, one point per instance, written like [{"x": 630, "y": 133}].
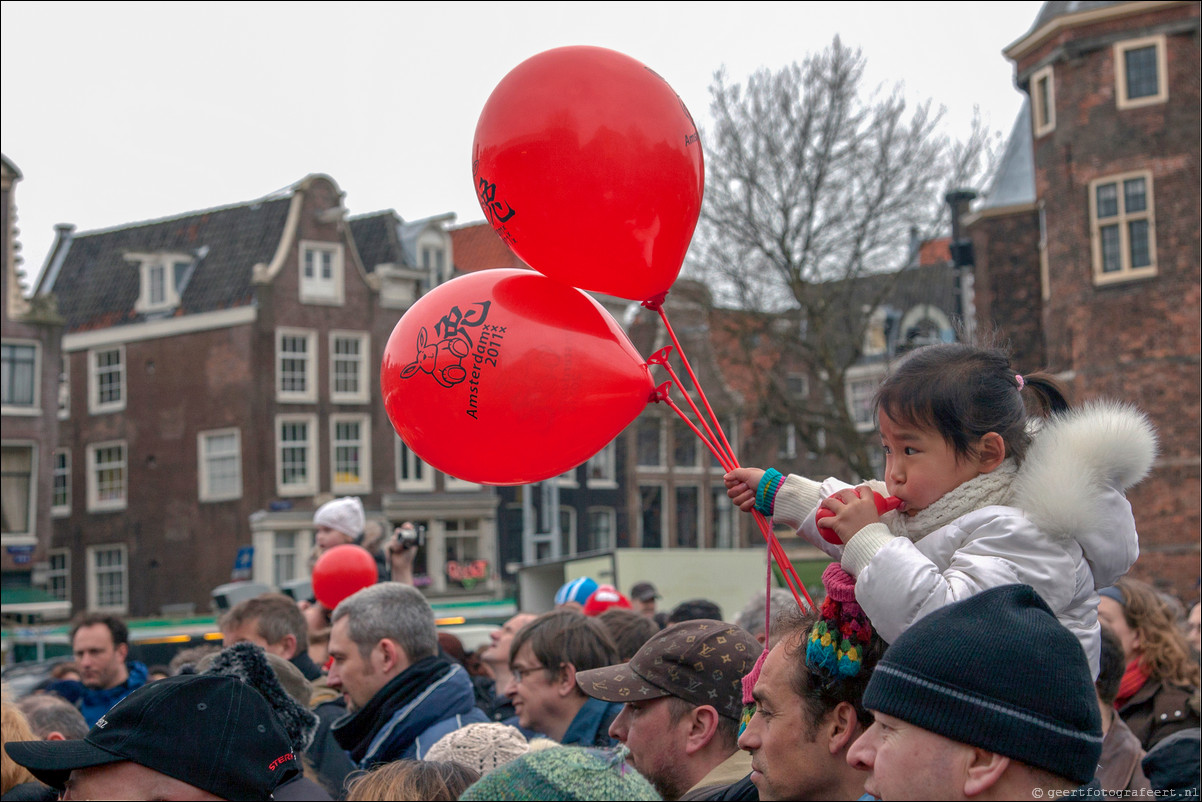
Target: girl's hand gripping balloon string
[{"x": 824, "y": 514}]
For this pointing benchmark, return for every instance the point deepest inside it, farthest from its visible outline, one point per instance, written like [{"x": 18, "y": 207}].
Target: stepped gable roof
[
  {"x": 477, "y": 247},
  {"x": 97, "y": 287}
]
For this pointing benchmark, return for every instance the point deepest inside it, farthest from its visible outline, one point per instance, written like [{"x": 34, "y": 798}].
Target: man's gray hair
[
  {"x": 390, "y": 610},
  {"x": 49, "y": 713},
  {"x": 751, "y": 617}
]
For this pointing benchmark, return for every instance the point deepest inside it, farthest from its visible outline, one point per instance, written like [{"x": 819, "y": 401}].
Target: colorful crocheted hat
[{"x": 837, "y": 642}]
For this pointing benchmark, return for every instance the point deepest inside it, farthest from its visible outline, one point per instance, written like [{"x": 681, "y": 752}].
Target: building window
[
  {"x": 1123, "y": 226},
  {"x": 1140, "y": 72},
  {"x": 454, "y": 483},
  {"x": 19, "y": 378},
  {"x": 350, "y": 450},
  {"x": 688, "y": 517},
  {"x": 651, "y": 516},
  {"x": 106, "y": 368},
  {"x": 163, "y": 278},
  {"x": 600, "y": 534},
  {"x": 64, "y": 389},
  {"x": 860, "y": 392},
  {"x": 687, "y": 447},
  {"x": 600, "y": 467},
  {"x": 650, "y": 445},
  {"x": 107, "y": 477},
  {"x": 60, "y": 499},
  {"x": 58, "y": 574},
  {"x": 296, "y": 455},
  {"x": 220, "y": 454},
  {"x": 296, "y": 350},
  {"x": 567, "y": 531},
  {"x": 1043, "y": 101},
  {"x": 722, "y": 519},
  {"x": 17, "y": 489},
  {"x": 321, "y": 273},
  {"x": 348, "y": 367},
  {"x": 283, "y": 558},
  {"x": 434, "y": 260},
  {"x": 465, "y": 559},
  {"x": 108, "y": 579},
  {"x": 411, "y": 472}
]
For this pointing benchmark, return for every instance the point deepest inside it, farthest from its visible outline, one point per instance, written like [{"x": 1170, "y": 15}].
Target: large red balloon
[
  {"x": 507, "y": 377},
  {"x": 588, "y": 164},
  {"x": 342, "y": 571}
]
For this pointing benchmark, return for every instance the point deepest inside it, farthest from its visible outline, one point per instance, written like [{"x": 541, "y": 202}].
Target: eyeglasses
[{"x": 518, "y": 673}]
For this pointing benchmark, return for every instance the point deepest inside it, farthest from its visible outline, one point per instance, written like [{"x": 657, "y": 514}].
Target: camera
[{"x": 409, "y": 536}]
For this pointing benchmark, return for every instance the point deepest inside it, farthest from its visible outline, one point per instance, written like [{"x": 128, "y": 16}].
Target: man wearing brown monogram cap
[{"x": 683, "y": 699}]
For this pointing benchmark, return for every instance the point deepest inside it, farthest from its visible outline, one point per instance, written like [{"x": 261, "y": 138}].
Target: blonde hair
[
  {"x": 13, "y": 727},
  {"x": 1163, "y": 652},
  {"x": 412, "y": 779}
]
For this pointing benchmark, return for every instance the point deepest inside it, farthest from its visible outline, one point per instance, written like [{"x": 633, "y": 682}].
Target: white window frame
[
  {"x": 1040, "y": 98},
  {"x": 1122, "y": 101},
  {"x": 567, "y": 479},
  {"x": 64, "y": 572},
  {"x": 95, "y": 503},
  {"x": 612, "y": 515},
  {"x": 316, "y": 290},
  {"x": 294, "y": 489},
  {"x": 309, "y": 394},
  {"x": 700, "y": 490},
  {"x": 453, "y": 484},
  {"x": 408, "y": 462},
  {"x": 569, "y": 535},
  {"x": 362, "y": 395},
  {"x": 60, "y": 510},
  {"x": 264, "y": 542},
  {"x": 34, "y": 407},
  {"x": 149, "y": 264},
  {"x": 854, "y": 379},
  {"x": 95, "y": 405},
  {"x": 364, "y": 484},
  {"x": 31, "y": 500},
  {"x": 204, "y": 455},
  {"x": 663, "y": 443},
  {"x": 64, "y": 388},
  {"x": 606, "y": 461},
  {"x": 94, "y": 584},
  {"x": 1122, "y": 221}
]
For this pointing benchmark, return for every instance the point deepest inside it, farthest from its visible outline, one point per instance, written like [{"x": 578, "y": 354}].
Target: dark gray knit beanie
[{"x": 999, "y": 672}]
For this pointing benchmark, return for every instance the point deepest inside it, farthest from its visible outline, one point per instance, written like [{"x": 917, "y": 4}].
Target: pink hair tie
[{"x": 1018, "y": 377}]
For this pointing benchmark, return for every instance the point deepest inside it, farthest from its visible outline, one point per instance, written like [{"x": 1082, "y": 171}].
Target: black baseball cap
[
  {"x": 644, "y": 591},
  {"x": 214, "y": 732}
]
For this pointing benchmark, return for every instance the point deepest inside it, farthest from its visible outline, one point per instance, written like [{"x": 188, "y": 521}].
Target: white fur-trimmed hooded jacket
[{"x": 1061, "y": 524}]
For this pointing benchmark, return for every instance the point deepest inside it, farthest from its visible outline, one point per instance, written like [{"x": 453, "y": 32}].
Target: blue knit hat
[
  {"x": 564, "y": 773},
  {"x": 999, "y": 672}
]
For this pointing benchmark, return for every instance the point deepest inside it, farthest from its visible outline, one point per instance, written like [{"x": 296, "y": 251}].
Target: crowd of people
[{"x": 982, "y": 640}]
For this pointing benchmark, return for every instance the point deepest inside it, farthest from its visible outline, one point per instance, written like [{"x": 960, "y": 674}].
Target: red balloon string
[{"x": 723, "y": 453}]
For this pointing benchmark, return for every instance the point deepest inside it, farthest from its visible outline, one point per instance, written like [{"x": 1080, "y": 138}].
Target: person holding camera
[{"x": 402, "y": 551}]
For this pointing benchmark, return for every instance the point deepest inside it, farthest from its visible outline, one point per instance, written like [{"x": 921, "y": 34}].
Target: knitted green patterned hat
[{"x": 564, "y": 772}]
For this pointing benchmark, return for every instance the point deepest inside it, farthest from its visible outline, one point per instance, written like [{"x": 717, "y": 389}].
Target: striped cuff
[{"x": 765, "y": 494}]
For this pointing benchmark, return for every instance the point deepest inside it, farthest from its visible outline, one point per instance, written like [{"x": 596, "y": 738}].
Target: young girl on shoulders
[{"x": 989, "y": 496}]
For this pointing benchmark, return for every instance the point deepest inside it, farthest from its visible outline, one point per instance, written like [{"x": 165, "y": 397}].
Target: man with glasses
[{"x": 544, "y": 659}]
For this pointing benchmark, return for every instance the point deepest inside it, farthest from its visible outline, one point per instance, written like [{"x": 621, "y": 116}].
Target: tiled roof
[
  {"x": 97, "y": 287},
  {"x": 1062, "y": 8},
  {"x": 477, "y": 247},
  {"x": 377, "y": 239}
]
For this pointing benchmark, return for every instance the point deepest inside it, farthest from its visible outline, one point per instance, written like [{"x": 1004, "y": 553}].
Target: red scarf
[{"x": 1133, "y": 679}]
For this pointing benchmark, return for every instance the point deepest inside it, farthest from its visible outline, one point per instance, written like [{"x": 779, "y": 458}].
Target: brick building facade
[{"x": 1088, "y": 243}]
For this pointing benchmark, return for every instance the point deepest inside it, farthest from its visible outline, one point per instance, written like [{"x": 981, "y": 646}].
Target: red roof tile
[{"x": 477, "y": 247}]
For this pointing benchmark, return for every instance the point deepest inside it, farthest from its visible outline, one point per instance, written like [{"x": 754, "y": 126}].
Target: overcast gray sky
[{"x": 121, "y": 112}]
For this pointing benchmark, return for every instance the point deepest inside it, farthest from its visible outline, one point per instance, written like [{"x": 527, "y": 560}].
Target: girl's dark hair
[{"x": 964, "y": 392}]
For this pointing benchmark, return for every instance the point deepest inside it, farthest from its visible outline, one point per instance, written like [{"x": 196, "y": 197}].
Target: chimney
[{"x": 961, "y": 246}]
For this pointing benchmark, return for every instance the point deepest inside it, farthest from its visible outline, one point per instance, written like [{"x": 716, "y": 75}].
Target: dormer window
[
  {"x": 163, "y": 279},
  {"x": 321, "y": 273},
  {"x": 434, "y": 263}
]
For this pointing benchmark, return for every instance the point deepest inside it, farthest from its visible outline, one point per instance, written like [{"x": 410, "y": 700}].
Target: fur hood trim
[{"x": 1075, "y": 457}]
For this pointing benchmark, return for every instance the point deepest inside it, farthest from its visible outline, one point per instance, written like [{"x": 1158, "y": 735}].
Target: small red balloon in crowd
[
  {"x": 507, "y": 377},
  {"x": 589, "y": 166},
  {"x": 342, "y": 571}
]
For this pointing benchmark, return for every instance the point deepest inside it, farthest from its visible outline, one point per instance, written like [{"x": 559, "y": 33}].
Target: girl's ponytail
[{"x": 1043, "y": 394}]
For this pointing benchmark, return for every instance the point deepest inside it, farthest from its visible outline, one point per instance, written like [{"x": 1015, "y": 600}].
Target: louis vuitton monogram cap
[{"x": 701, "y": 661}]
